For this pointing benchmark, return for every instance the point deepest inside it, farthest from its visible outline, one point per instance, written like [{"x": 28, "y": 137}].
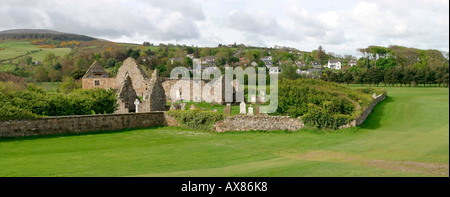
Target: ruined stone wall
[
  {"x": 138, "y": 76},
  {"x": 360, "y": 120},
  {"x": 261, "y": 123},
  {"x": 76, "y": 124},
  {"x": 369, "y": 109},
  {"x": 270, "y": 123},
  {"x": 84, "y": 123},
  {"x": 168, "y": 84},
  {"x": 105, "y": 83}
]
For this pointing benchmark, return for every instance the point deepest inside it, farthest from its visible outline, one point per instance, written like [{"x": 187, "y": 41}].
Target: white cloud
[{"x": 340, "y": 27}]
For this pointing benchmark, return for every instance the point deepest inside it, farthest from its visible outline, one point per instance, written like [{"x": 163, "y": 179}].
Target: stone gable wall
[
  {"x": 138, "y": 76},
  {"x": 105, "y": 83}
]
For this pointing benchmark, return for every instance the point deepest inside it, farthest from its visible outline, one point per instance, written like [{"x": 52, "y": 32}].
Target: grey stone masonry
[
  {"x": 250, "y": 110},
  {"x": 126, "y": 96},
  {"x": 360, "y": 120},
  {"x": 243, "y": 108},
  {"x": 183, "y": 106},
  {"x": 257, "y": 110},
  {"x": 77, "y": 124},
  {"x": 227, "y": 109},
  {"x": 260, "y": 123},
  {"x": 96, "y": 71},
  {"x": 154, "y": 96}
]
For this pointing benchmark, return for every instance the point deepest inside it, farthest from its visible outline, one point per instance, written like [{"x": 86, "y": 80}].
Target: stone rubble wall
[
  {"x": 262, "y": 123},
  {"x": 76, "y": 124},
  {"x": 270, "y": 123},
  {"x": 360, "y": 120},
  {"x": 368, "y": 110}
]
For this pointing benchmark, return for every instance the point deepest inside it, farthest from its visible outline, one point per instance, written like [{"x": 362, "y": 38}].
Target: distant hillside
[{"x": 41, "y": 34}]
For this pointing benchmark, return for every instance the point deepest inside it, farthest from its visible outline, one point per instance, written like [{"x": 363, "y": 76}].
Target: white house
[
  {"x": 274, "y": 70},
  {"x": 265, "y": 58},
  {"x": 352, "y": 63},
  {"x": 316, "y": 65},
  {"x": 177, "y": 59},
  {"x": 190, "y": 56},
  {"x": 208, "y": 60},
  {"x": 334, "y": 64},
  {"x": 313, "y": 73}
]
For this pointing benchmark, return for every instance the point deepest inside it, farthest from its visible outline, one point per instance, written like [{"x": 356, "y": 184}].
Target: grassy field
[
  {"x": 17, "y": 49},
  {"x": 49, "y": 87},
  {"x": 6, "y": 68},
  {"x": 406, "y": 135}
]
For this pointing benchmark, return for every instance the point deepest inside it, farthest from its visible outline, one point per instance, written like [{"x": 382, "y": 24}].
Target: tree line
[{"x": 395, "y": 76}]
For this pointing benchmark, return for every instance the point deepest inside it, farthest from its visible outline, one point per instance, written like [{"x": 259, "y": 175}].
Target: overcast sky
[{"x": 339, "y": 26}]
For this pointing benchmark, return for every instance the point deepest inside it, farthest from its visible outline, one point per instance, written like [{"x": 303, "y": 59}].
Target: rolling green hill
[
  {"x": 41, "y": 34},
  {"x": 13, "y": 50}
]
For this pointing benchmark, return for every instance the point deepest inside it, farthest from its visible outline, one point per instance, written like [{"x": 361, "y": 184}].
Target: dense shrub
[
  {"x": 322, "y": 104},
  {"x": 196, "y": 119},
  {"x": 100, "y": 101},
  {"x": 323, "y": 117},
  {"x": 295, "y": 95},
  {"x": 370, "y": 91},
  {"x": 37, "y": 102},
  {"x": 9, "y": 112}
]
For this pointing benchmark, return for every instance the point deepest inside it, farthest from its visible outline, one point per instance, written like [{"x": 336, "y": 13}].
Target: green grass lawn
[
  {"x": 235, "y": 109},
  {"x": 406, "y": 135},
  {"x": 6, "y": 68},
  {"x": 14, "y": 49},
  {"x": 49, "y": 87}
]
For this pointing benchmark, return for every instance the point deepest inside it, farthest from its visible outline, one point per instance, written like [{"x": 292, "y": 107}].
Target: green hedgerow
[
  {"x": 323, "y": 117},
  {"x": 196, "y": 119},
  {"x": 10, "y": 112}
]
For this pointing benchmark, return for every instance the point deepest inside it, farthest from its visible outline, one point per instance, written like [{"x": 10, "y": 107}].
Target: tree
[
  {"x": 49, "y": 59},
  {"x": 57, "y": 66},
  {"x": 69, "y": 85},
  {"x": 189, "y": 50},
  {"x": 252, "y": 55},
  {"x": 360, "y": 78},
  {"x": 288, "y": 72},
  {"x": 41, "y": 75},
  {"x": 111, "y": 62},
  {"x": 28, "y": 60},
  {"x": 55, "y": 75},
  {"x": 135, "y": 54},
  {"x": 205, "y": 52},
  {"x": 333, "y": 77},
  {"x": 187, "y": 62},
  {"x": 320, "y": 55},
  {"x": 408, "y": 74},
  {"x": 78, "y": 73},
  {"x": 386, "y": 63},
  {"x": 81, "y": 63},
  {"x": 348, "y": 78},
  {"x": 196, "y": 53}
]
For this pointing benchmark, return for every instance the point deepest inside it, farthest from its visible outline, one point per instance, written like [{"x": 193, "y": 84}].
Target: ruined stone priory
[
  {"x": 97, "y": 77},
  {"x": 154, "y": 98}
]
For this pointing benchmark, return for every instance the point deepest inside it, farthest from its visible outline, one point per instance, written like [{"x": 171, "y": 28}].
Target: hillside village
[
  {"x": 59, "y": 58},
  {"x": 144, "y": 89}
]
